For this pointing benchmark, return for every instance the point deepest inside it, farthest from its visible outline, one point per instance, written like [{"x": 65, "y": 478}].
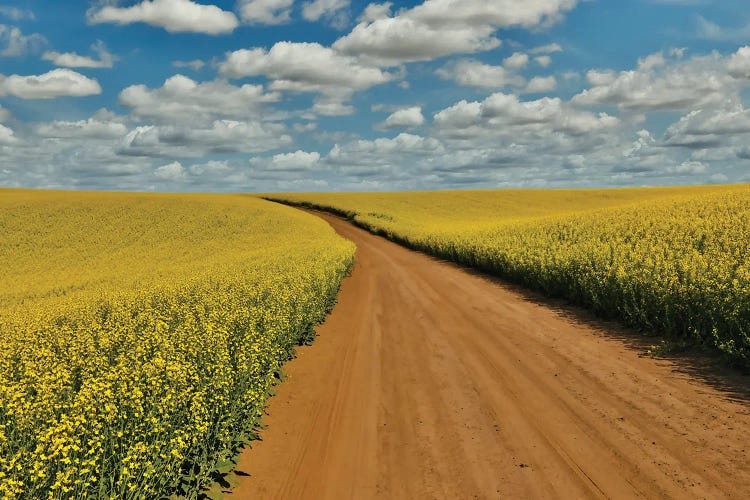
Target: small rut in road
[{"x": 428, "y": 381}]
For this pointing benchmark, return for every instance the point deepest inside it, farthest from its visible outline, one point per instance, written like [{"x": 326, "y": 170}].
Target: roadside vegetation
[
  {"x": 670, "y": 261},
  {"x": 140, "y": 335}
]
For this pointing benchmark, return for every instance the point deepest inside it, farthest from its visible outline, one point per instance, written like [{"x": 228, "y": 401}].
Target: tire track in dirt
[{"x": 428, "y": 381}]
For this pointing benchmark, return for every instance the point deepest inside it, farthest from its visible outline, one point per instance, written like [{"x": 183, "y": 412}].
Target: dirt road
[{"x": 430, "y": 382}]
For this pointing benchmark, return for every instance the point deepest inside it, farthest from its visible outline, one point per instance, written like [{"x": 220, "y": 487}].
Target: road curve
[{"x": 428, "y": 381}]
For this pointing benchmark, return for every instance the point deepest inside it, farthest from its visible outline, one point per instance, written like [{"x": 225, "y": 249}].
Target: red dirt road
[{"x": 430, "y": 382}]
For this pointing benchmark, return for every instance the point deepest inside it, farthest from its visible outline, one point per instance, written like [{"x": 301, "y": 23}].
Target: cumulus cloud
[
  {"x": 170, "y": 172},
  {"x": 56, "y": 83},
  {"x": 396, "y": 40},
  {"x": 404, "y": 118},
  {"x": 739, "y": 63},
  {"x": 292, "y": 162},
  {"x": 175, "y": 16},
  {"x": 222, "y": 136},
  {"x": 706, "y": 128},
  {"x": 365, "y": 157},
  {"x": 642, "y": 146},
  {"x": 661, "y": 84},
  {"x": 503, "y": 113},
  {"x": 689, "y": 167},
  {"x": 212, "y": 168},
  {"x": 335, "y": 11},
  {"x": 375, "y": 11},
  {"x": 516, "y": 61},
  {"x": 4, "y": 114},
  {"x": 541, "y": 85},
  {"x": 270, "y": 12},
  {"x": 472, "y": 73},
  {"x": 73, "y": 60},
  {"x": 7, "y": 137},
  {"x": 304, "y": 67},
  {"x": 325, "y": 106},
  {"x": 103, "y": 125},
  {"x": 13, "y": 43},
  {"x": 442, "y": 27},
  {"x": 181, "y": 98}
]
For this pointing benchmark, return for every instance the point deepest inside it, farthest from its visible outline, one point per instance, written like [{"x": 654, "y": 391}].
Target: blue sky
[{"x": 302, "y": 95}]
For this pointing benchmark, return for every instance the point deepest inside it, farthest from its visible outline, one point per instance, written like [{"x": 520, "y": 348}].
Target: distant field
[
  {"x": 674, "y": 261},
  {"x": 140, "y": 334}
]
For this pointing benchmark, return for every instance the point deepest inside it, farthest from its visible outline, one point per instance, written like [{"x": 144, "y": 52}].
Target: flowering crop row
[
  {"x": 671, "y": 260},
  {"x": 140, "y": 335}
]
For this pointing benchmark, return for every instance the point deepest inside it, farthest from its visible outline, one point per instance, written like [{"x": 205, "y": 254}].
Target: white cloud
[
  {"x": 211, "y": 168},
  {"x": 195, "y": 64},
  {"x": 13, "y": 43},
  {"x": 505, "y": 114},
  {"x": 271, "y": 12},
  {"x": 181, "y": 98},
  {"x": 472, "y": 73},
  {"x": 336, "y": 11},
  {"x": 541, "y": 85},
  {"x": 375, "y": 11},
  {"x": 689, "y": 167},
  {"x": 643, "y": 146},
  {"x": 222, "y": 136},
  {"x": 16, "y": 14},
  {"x": 73, "y": 60},
  {"x": 547, "y": 49},
  {"x": 739, "y": 63},
  {"x": 7, "y": 137},
  {"x": 393, "y": 41},
  {"x": 405, "y": 118},
  {"x": 382, "y": 153},
  {"x": 104, "y": 125},
  {"x": 658, "y": 84},
  {"x": 4, "y": 114},
  {"x": 331, "y": 107},
  {"x": 304, "y": 67},
  {"x": 56, "y": 83},
  {"x": 709, "y": 128},
  {"x": 543, "y": 61},
  {"x": 171, "y": 171},
  {"x": 516, "y": 61},
  {"x": 305, "y": 127},
  {"x": 296, "y": 161},
  {"x": 498, "y": 13},
  {"x": 442, "y": 27},
  {"x": 652, "y": 61},
  {"x": 175, "y": 16}
]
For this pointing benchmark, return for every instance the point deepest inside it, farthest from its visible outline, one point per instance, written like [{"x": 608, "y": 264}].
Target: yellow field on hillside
[
  {"x": 140, "y": 334},
  {"x": 674, "y": 261}
]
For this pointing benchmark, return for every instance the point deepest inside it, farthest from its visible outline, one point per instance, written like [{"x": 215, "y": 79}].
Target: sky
[{"x": 346, "y": 95}]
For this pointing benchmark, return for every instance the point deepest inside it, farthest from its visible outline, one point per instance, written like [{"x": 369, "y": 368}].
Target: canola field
[
  {"x": 140, "y": 334},
  {"x": 672, "y": 261}
]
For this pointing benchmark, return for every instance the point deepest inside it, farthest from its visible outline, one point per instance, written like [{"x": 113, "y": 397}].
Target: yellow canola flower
[
  {"x": 140, "y": 334},
  {"x": 670, "y": 260}
]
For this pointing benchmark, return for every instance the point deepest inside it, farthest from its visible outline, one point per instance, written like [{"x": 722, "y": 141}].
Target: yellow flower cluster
[
  {"x": 670, "y": 260},
  {"x": 140, "y": 334}
]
